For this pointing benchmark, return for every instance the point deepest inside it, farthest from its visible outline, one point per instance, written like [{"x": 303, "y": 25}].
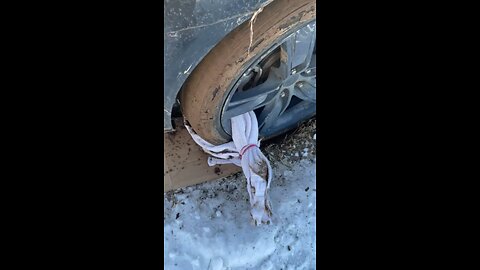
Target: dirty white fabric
[{"x": 244, "y": 152}]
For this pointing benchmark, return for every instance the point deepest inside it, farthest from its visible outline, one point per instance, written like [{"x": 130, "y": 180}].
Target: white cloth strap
[{"x": 244, "y": 152}]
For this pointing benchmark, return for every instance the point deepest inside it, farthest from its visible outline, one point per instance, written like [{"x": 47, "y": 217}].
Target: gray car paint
[{"x": 192, "y": 29}]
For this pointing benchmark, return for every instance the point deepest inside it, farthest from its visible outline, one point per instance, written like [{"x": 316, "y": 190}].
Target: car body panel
[{"x": 192, "y": 29}]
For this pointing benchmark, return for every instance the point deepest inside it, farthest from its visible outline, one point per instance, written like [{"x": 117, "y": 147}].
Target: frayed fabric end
[{"x": 244, "y": 152}]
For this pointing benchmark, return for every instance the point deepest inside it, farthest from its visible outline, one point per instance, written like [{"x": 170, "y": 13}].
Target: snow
[{"x": 208, "y": 226}]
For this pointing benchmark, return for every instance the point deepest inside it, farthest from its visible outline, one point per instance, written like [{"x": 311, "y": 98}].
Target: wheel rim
[{"x": 280, "y": 86}]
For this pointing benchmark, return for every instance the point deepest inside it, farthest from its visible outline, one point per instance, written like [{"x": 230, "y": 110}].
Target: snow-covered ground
[{"x": 208, "y": 226}]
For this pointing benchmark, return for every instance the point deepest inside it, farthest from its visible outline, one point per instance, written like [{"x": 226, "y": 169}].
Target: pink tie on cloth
[{"x": 244, "y": 152}]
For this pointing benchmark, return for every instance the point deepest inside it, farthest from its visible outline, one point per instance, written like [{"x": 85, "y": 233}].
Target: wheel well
[{"x": 241, "y": 20}]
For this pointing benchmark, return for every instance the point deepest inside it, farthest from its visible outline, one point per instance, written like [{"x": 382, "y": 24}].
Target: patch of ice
[
  {"x": 216, "y": 264},
  {"x": 230, "y": 241}
]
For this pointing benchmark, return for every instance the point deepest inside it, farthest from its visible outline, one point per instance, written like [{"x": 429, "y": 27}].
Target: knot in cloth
[
  {"x": 245, "y": 149},
  {"x": 244, "y": 152}
]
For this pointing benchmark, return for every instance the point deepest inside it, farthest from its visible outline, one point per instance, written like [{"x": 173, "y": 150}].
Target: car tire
[{"x": 207, "y": 88}]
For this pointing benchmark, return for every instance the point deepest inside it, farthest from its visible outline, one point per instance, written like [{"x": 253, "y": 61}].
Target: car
[{"x": 223, "y": 58}]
